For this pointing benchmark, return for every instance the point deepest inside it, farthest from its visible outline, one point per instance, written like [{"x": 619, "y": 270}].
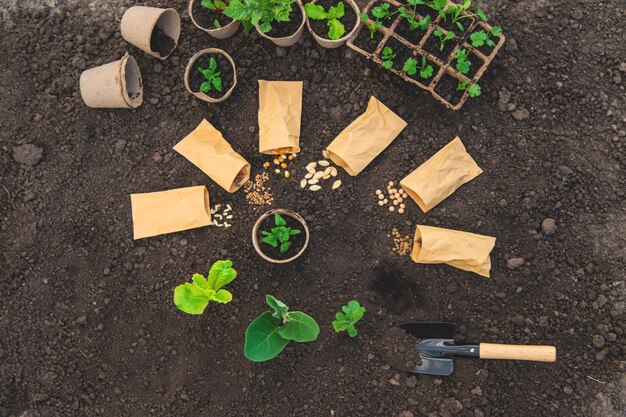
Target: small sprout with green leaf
[
  {"x": 280, "y": 234},
  {"x": 346, "y": 320},
  {"x": 411, "y": 67},
  {"x": 194, "y": 297},
  {"x": 372, "y": 25},
  {"x": 215, "y": 5},
  {"x": 412, "y": 21},
  {"x": 443, "y": 38},
  {"x": 213, "y": 77},
  {"x": 335, "y": 28},
  {"x": 455, "y": 11},
  {"x": 481, "y": 37},
  {"x": 387, "y": 56},
  {"x": 463, "y": 64},
  {"x": 382, "y": 11},
  {"x": 472, "y": 91},
  {"x": 270, "y": 333}
]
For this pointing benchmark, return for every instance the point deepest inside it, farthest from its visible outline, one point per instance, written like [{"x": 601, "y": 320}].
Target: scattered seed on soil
[
  {"x": 303, "y": 183},
  {"x": 325, "y": 154},
  {"x": 402, "y": 245},
  {"x": 392, "y": 208},
  {"x": 336, "y": 184},
  {"x": 256, "y": 191},
  {"x": 314, "y": 181},
  {"x": 323, "y": 163},
  {"x": 315, "y": 188},
  {"x": 287, "y": 174},
  {"x": 308, "y": 176},
  {"x": 218, "y": 215}
]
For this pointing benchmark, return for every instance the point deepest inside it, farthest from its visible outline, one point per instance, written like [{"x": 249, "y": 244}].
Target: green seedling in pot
[
  {"x": 437, "y": 5},
  {"x": 280, "y": 234},
  {"x": 411, "y": 67},
  {"x": 463, "y": 64},
  {"x": 382, "y": 11},
  {"x": 472, "y": 90},
  {"x": 372, "y": 25},
  {"x": 412, "y": 21},
  {"x": 213, "y": 77},
  {"x": 443, "y": 38},
  {"x": 387, "y": 56},
  {"x": 216, "y": 5},
  {"x": 481, "y": 37},
  {"x": 455, "y": 12},
  {"x": 261, "y": 12},
  {"x": 335, "y": 28},
  {"x": 348, "y": 317},
  {"x": 194, "y": 297},
  {"x": 270, "y": 333}
]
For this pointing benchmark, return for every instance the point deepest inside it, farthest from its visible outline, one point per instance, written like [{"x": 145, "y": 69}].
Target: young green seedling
[
  {"x": 217, "y": 5},
  {"x": 335, "y": 27},
  {"x": 270, "y": 333},
  {"x": 382, "y": 11},
  {"x": 280, "y": 234},
  {"x": 437, "y": 5},
  {"x": 261, "y": 12},
  {"x": 372, "y": 26},
  {"x": 387, "y": 56},
  {"x": 412, "y": 21},
  {"x": 443, "y": 38},
  {"x": 213, "y": 77},
  {"x": 463, "y": 64},
  {"x": 194, "y": 297},
  {"x": 472, "y": 91},
  {"x": 455, "y": 11},
  {"x": 411, "y": 67},
  {"x": 481, "y": 37},
  {"x": 346, "y": 320}
]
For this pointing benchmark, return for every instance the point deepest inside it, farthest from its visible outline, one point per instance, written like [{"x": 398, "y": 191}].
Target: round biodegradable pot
[
  {"x": 291, "y": 39},
  {"x": 299, "y": 242},
  {"x": 336, "y": 43},
  {"x": 116, "y": 85},
  {"x": 191, "y": 67},
  {"x": 224, "y": 32},
  {"x": 154, "y": 31}
]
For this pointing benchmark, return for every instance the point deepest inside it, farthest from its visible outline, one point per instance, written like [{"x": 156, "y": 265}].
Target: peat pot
[
  {"x": 289, "y": 39},
  {"x": 226, "y": 66},
  {"x": 223, "y": 32},
  {"x": 154, "y": 31},
  {"x": 299, "y": 242},
  {"x": 116, "y": 85}
]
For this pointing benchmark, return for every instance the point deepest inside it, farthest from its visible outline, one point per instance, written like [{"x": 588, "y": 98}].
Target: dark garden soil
[
  {"x": 161, "y": 43},
  {"x": 87, "y": 322},
  {"x": 447, "y": 88},
  {"x": 449, "y": 26},
  {"x": 207, "y": 17},
  {"x": 297, "y": 241},
  {"x": 196, "y": 78},
  {"x": 433, "y": 46},
  {"x": 413, "y": 36},
  {"x": 283, "y": 29},
  {"x": 320, "y": 27}
]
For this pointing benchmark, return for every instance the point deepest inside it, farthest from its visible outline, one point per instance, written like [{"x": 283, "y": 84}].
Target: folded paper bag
[
  {"x": 463, "y": 250},
  {"x": 280, "y": 113},
  {"x": 365, "y": 138},
  {"x": 207, "y": 149},
  {"x": 170, "y": 211},
  {"x": 440, "y": 176}
]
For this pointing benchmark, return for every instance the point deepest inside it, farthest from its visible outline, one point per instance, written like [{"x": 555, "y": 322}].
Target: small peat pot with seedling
[
  {"x": 412, "y": 26},
  {"x": 209, "y": 16},
  {"x": 269, "y": 334},
  {"x": 280, "y": 236},
  {"x": 154, "y": 31},
  {"x": 331, "y": 22},
  {"x": 194, "y": 297},
  {"x": 211, "y": 75}
]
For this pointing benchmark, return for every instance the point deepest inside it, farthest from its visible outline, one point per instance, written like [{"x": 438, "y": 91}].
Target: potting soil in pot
[
  {"x": 161, "y": 43},
  {"x": 207, "y": 18},
  {"x": 320, "y": 27},
  {"x": 297, "y": 241},
  {"x": 284, "y": 29},
  {"x": 196, "y": 78}
]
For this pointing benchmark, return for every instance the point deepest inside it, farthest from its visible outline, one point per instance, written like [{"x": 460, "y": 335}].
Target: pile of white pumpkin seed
[{"x": 318, "y": 172}]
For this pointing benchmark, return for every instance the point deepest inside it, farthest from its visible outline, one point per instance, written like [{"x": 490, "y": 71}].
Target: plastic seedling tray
[{"x": 445, "y": 77}]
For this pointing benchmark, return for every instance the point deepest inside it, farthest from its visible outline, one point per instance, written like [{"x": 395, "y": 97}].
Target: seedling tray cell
[{"x": 419, "y": 43}]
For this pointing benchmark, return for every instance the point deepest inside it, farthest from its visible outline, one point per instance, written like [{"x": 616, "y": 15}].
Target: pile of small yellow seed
[
  {"x": 402, "y": 245},
  {"x": 281, "y": 162},
  {"x": 395, "y": 198},
  {"x": 256, "y": 191}
]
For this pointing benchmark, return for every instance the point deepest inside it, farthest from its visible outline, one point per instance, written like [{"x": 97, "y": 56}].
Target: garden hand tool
[{"x": 437, "y": 349}]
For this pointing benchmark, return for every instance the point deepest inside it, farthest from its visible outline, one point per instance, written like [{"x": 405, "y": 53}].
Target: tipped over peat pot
[
  {"x": 287, "y": 33},
  {"x": 213, "y": 22},
  {"x": 351, "y": 22},
  {"x": 266, "y": 223},
  {"x": 113, "y": 85},
  {"x": 225, "y": 66},
  {"x": 155, "y": 31}
]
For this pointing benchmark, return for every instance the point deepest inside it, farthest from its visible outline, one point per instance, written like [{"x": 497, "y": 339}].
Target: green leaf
[
  {"x": 426, "y": 72},
  {"x": 462, "y": 86},
  {"x": 496, "y": 31},
  {"x": 315, "y": 11},
  {"x": 481, "y": 14},
  {"x": 221, "y": 273},
  {"x": 223, "y": 296},
  {"x": 350, "y": 315},
  {"x": 364, "y": 17},
  {"x": 263, "y": 340},
  {"x": 335, "y": 29},
  {"x": 271, "y": 240},
  {"x": 387, "y": 51},
  {"x": 352, "y": 331},
  {"x": 299, "y": 327},
  {"x": 281, "y": 233},
  {"x": 381, "y": 11},
  {"x": 266, "y": 26},
  {"x": 478, "y": 38},
  {"x": 460, "y": 26},
  {"x": 266, "y": 233},
  {"x": 449, "y": 35},
  {"x": 336, "y": 12},
  {"x": 410, "y": 66},
  {"x": 191, "y": 299},
  {"x": 489, "y": 42},
  {"x": 208, "y": 4},
  {"x": 280, "y": 308},
  {"x": 212, "y": 64},
  {"x": 200, "y": 281},
  {"x": 439, "y": 4},
  {"x": 474, "y": 90},
  {"x": 217, "y": 83},
  {"x": 387, "y": 64},
  {"x": 278, "y": 220},
  {"x": 205, "y": 87},
  {"x": 438, "y": 33},
  {"x": 217, "y": 23},
  {"x": 284, "y": 247},
  {"x": 293, "y": 232}
]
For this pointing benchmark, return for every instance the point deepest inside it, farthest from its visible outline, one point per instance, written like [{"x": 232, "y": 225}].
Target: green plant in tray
[
  {"x": 381, "y": 12},
  {"x": 280, "y": 234},
  {"x": 215, "y": 5},
  {"x": 481, "y": 37},
  {"x": 270, "y": 333},
  {"x": 347, "y": 318},
  {"x": 335, "y": 28},
  {"x": 449, "y": 35},
  {"x": 472, "y": 90},
  {"x": 455, "y": 12},
  {"x": 463, "y": 64},
  {"x": 262, "y": 12},
  {"x": 412, "y": 21},
  {"x": 213, "y": 77},
  {"x": 194, "y": 297},
  {"x": 387, "y": 56},
  {"x": 411, "y": 66}
]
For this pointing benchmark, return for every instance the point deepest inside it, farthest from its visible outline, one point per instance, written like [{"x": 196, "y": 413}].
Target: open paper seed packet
[{"x": 280, "y": 113}]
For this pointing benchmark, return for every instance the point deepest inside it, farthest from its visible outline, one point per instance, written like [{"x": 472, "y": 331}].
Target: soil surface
[
  {"x": 283, "y": 29},
  {"x": 87, "y": 319},
  {"x": 161, "y": 42},
  {"x": 320, "y": 27},
  {"x": 225, "y": 68},
  {"x": 207, "y": 17}
]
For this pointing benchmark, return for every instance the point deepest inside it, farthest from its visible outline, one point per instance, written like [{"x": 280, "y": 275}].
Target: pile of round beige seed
[
  {"x": 394, "y": 198},
  {"x": 256, "y": 191},
  {"x": 317, "y": 173}
]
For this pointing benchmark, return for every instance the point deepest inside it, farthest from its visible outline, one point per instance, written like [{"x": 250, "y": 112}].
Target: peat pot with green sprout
[
  {"x": 210, "y": 16},
  {"x": 280, "y": 236},
  {"x": 332, "y": 22},
  {"x": 211, "y": 75}
]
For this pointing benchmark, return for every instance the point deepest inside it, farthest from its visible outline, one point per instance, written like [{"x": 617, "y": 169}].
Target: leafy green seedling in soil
[
  {"x": 412, "y": 21},
  {"x": 437, "y": 5},
  {"x": 261, "y": 12},
  {"x": 215, "y": 5},
  {"x": 335, "y": 28},
  {"x": 280, "y": 234},
  {"x": 347, "y": 319},
  {"x": 372, "y": 25},
  {"x": 463, "y": 64},
  {"x": 481, "y": 37},
  {"x": 411, "y": 67},
  {"x": 443, "y": 38},
  {"x": 472, "y": 91},
  {"x": 270, "y": 333},
  {"x": 213, "y": 77},
  {"x": 455, "y": 11},
  {"x": 387, "y": 56},
  {"x": 194, "y": 297}
]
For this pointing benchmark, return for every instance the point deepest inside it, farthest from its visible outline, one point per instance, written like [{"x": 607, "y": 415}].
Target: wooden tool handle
[{"x": 518, "y": 352}]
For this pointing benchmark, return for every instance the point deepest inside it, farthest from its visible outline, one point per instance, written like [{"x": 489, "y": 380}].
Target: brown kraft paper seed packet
[
  {"x": 365, "y": 138},
  {"x": 440, "y": 176},
  {"x": 170, "y": 211},
  {"x": 463, "y": 250},
  {"x": 280, "y": 113},
  {"x": 207, "y": 149}
]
